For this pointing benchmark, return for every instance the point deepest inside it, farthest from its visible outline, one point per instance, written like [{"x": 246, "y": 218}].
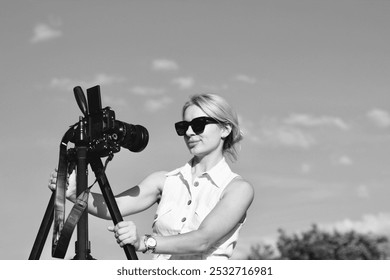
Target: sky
[{"x": 308, "y": 79}]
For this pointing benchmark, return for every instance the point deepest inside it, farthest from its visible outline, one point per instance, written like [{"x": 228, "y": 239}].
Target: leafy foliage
[
  {"x": 261, "y": 252},
  {"x": 316, "y": 244}
]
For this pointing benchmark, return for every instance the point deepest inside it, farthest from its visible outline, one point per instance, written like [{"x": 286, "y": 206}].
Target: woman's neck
[{"x": 205, "y": 163}]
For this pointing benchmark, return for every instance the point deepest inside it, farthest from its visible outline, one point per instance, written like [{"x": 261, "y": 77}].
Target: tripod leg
[
  {"x": 82, "y": 244},
  {"x": 98, "y": 169},
  {"x": 43, "y": 230}
]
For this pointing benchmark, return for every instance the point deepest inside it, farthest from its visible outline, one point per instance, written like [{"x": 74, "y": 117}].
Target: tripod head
[{"x": 103, "y": 133}]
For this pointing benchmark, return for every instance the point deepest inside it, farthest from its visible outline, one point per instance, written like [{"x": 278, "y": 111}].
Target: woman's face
[{"x": 209, "y": 141}]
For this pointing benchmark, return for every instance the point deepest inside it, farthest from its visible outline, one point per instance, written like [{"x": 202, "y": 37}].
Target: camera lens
[{"x": 132, "y": 137}]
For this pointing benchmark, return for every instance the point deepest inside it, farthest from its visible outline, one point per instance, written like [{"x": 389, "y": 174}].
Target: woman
[{"x": 202, "y": 205}]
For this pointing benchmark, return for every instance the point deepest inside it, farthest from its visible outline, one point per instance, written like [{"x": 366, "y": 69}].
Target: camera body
[{"x": 103, "y": 133}]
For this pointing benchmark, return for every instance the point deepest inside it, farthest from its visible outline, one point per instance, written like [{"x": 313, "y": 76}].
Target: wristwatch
[{"x": 150, "y": 244}]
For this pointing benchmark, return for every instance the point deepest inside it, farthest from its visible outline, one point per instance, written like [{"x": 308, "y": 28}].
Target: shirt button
[
  {"x": 189, "y": 202},
  {"x": 183, "y": 220},
  {"x": 196, "y": 184}
]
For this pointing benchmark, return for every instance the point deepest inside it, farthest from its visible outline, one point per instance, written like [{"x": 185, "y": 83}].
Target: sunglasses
[{"x": 197, "y": 125}]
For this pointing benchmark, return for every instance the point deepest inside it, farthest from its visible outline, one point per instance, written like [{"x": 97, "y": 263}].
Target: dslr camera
[{"x": 104, "y": 134}]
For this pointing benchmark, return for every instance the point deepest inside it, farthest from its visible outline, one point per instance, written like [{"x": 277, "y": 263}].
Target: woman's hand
[
  {"x": 126, "y": 233},
  {"x": 70, "y": 184}
]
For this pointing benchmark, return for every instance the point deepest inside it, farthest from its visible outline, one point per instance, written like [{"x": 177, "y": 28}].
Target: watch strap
[{"x": 148, "y": 248}]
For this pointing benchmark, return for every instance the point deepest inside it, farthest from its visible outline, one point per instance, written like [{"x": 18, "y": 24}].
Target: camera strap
[
  {"x": 62, "y": 231},
  {"x": 61, "y": 244}
]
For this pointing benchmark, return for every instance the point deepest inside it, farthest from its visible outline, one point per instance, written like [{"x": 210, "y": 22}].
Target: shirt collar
[
  {"x": 216, "y": 174},
  {"x": 184, "y": 170}
]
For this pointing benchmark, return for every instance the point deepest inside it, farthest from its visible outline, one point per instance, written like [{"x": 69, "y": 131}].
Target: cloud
[
  {"x": 370, "y": 223},
  {"x": 301, "y": 189},
  {"x": 156, "y": 98},
  {"x": 362, "y": 191},
  {"x": 273, "y": 133},
  {"x": 215, "y": 88},
  {"x": 343, "y": 160},
  {"x": 147, "y": 91},
  {"x": 104, "y": 79},
  {"x": 114, "y": 102},
  {"x": 248, "y": 129},
  {"x": 184, "y": 82},
  {"x": 164, "y": 65},
  {"x": 292, "y": 131},
  {"x": 286, "y": 136},
  {"x": 64, "y": 84},
  {"x": 379, "y": 117},
  {"x": 154, "y": 104},
  {"x": 245, "y": 79},
  {"x": 67, "y": 84},
  {"x": 306, "y": 168},
  {"x": 310, "y": 121},
  {"x": 44, "y": 32}
]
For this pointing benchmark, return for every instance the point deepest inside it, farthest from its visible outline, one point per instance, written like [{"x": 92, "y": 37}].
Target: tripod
[
  {"x": 82, "y": 245},
  {"x": 83, "y": 154}
]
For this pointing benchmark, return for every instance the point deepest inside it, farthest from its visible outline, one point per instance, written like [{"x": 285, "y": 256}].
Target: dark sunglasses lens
[
  {"x": 198, "y": 125},
  {"x": 181, "y": 128}
]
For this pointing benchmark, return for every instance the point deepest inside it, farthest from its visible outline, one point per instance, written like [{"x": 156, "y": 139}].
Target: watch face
[{"x": 151, "y": 242}]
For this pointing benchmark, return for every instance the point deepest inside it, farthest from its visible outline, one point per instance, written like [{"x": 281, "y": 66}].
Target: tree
[
  {"x": 261, "y": 251},
  {"x": 316, "y": 244}
]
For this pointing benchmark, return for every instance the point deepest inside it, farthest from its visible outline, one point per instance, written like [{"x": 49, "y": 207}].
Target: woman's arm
[
  {"x": 228, "y": 212},
  {"x": 131, "y": 201},
  {"x": 231, "y": 209}
]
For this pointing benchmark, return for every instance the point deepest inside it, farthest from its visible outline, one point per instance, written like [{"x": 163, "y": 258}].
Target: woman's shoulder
[
  {"x": 157, "y": 176},
  {"x": 155, "y": 179},
  {"x": 241, "y": 182},
  {"x": 240, "y": 186}
]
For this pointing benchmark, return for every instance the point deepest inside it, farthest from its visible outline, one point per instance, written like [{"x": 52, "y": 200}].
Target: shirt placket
[{"x": 189, "y": 206}]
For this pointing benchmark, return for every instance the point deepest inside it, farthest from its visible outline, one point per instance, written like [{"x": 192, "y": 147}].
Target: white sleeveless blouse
[{"x": 184, "y": 205}]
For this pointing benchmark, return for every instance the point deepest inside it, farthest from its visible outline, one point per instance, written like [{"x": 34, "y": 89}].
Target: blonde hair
[{"x": 219, "y": 109}]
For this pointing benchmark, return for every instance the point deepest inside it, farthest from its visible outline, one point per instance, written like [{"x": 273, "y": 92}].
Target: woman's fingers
[
  {"x": 53, "y": 180},
  {"x": 124, "y": 232}
]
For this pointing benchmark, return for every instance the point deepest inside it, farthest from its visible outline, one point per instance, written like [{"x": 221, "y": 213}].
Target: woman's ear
[{"x": 226, "y": 129}]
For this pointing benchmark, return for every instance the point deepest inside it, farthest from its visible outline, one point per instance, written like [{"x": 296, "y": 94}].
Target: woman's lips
[{"x": 192, "y": 143}]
